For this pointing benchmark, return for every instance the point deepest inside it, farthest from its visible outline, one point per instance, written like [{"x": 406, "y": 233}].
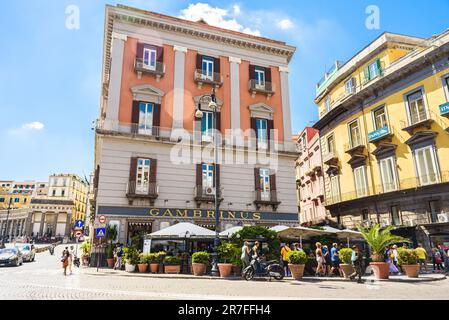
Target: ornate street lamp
[{"x": 199, "y": 114}]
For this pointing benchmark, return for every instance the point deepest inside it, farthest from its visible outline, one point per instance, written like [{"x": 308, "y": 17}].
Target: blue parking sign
[
  {"x": 100, "y": 232},
  {"x": 79, "y": 223}
]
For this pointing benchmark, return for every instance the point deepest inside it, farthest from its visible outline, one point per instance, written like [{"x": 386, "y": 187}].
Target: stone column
[
  {"x": 286, "y": 113},
  {"x": 115, "y": 80},
  {"x": 41, "y": 227},
  {"x": 178, "y": 90},
  {"x": 235, "y": 92}
]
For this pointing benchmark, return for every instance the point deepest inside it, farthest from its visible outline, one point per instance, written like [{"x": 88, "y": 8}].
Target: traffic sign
[
  {"x": 78, "y": 233},
  {"x": 79, "y": 223},
  {"x": 102, "y": 219},
  {"x": 100, "y": 232}
]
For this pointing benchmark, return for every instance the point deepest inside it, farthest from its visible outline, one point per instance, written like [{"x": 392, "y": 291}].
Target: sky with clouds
[{"x": 50, "y": 75}]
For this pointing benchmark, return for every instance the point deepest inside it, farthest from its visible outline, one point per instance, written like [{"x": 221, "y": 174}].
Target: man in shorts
[
  {"x": 335, "y": 260},
  {"x": 422, "y": 256}
]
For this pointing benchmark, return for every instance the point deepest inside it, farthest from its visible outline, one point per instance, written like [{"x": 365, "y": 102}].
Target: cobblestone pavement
[{"x": 43, "y": 279}]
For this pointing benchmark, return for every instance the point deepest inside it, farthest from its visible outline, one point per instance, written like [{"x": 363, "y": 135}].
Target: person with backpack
[{"x": 119, "y": 254}]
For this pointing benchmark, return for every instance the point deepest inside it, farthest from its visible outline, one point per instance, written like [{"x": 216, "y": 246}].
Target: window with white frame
[
  {"x": 145, "y": 118},
  {"x": 207, "y": 124},
  {"x": 416, "y": 107},
  {"x": 350, "y": 86},
  {"x": 354, "y": 134},
  {"x": 208, "y": 176},
  {"x": 330, "y": 142},
  {"x": 262, "y": 133},
  {"x": 265, "y": 184},
  {"x": 259, "y": 74},
  {"x": 360, "y": 181},
  {"x": 208, "y": 68},
  {"x": 149, "y": 58},
  {"x": 335, "y": 189},
  {"x": 426, "y": 165},
  {"x": 395, "y": 215},
  {"x": 446, "y": 87},
  {"x": 388, "y": 174},
  {"x": 380, "y": 118},
  {"x": 142, "y": 175},
  {"x": 327, "y": 104},
  {"x": 373, "y": 70}
]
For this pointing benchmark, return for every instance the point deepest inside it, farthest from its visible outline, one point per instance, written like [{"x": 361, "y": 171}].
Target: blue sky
[{"x": 50, "y": 75}]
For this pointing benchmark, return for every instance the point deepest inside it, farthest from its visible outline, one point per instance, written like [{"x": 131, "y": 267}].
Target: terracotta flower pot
[
  {"x": 154, "y": 267},
  {"x": 346, "y": 269},
  {"x": 172, "y": 269},
  {"x": 110, "y": 263},
  {"x": 381, "y": 270},
  {"x": 297, "y": 270},
  {"x": 237, "y": 270},
  {"x": 130, "y": 267},
  {"x": 199, "y": 269},
  {"x": 225, "y": 269},
  {"x": 142, "y": 267},
  {"x": 411, "y": 270}
]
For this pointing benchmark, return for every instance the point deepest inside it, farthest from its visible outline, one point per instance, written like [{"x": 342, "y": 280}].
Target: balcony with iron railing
[
  {"x": 418, "y": 120},
  {"x": 141, "y": 67},
  {"x": 148, "y": 190},
  {"x": 266, "y": 199},
  {"x": 202, "y": 77},
  {"x": 266, "y": 88},
  {"x": 330, "y": 157},
  {"x": 402, "y": 185},
  {"x": 207, "y": 194},
  {"x": 356, "y": 146}
]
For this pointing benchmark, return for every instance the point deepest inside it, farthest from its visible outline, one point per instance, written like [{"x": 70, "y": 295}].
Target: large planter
[
  {"x": 199, "y": 269},
  {"x": 297, "y": 270},
  {"x": 411, "y": 270},
  {"x": 143, "y": 267},
  {"x": 237, "y": 270},
  {"x": 381, "y": 270},
  {"x": 225, "y": 269},
  {"x": 130, "y": 267},
  {"x": 110, "y": 263},
  {"x": 346, "y": 269},
  {"x": 172, "y": 269},
  {"x": 154, "y": 267}
]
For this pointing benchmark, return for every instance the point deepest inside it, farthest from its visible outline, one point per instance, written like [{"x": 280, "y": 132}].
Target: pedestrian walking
[
  {"x": 70, "y": 260},
  {"x": 326, "y": 259},
  {"x": 119, "y": 253},
  {"x": 446, "y": 261},
  {"x": 422, "y": 257},
  {"x": 284, "y": 255},
  {"x": 246, "y": 255},
  {"x": 65, "y": 259},
  {"x": 356, "y": 259},
  {"x": 437, "y": 260},
  {"x": 319, "y": 259},
  {"x": 335, "y": 260}
]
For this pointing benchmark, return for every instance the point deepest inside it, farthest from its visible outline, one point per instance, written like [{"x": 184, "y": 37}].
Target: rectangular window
[
  {"x": 143, "y": 176},
  {"x": 2, "y": 200},
  {"x": 327, "y": 104},
  {"x": 54, "y": 193},
  {"x": 208, "y": 68},
  {"x": 330, "y": 144},
  {"x": 260, "y": 77},
  {"x": 380, "y": 118},
  {"x": 24, "y": 200},
  {"x": 16, "y": 200},
  {"x": 388, "y": 174},
  {"x": 207, "y": 124},
  {"x": 373, "y": 70},
  {"x": 416, "y": 108},
  {"x": 435, "y": 210},
  {"x": 265, "y": 184},
  {"x": 146, "y": 118},
  {"x": 395, "y": 216},
  {"x": 354, "y": 134},
  {"x": 446, "y": 83},
  {"x": 62, "y": 193},
  {"x": 262, "y": 133},
  {"x": 426, "y": 165},
  {"x": 365, "y": 215},
  {"x": 335, "y": 189},
  {"x": 350, "y": 86},
  {"x": 149, "y": 58},
  {"x": 208, "y": 176},
  {"x": 360, "y": 181}
]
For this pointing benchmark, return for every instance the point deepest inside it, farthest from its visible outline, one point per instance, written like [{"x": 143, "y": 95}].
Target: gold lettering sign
[
  {"x": 211, "y": 214},
  {"x": 167, "y": 213},
  {"x": 154, "y": 212},
  {"x": 256, "y": 216},
  {"x": 231, "y": 215},
  {"x": 244, "y": 215},
  {"x": 183, "y": 213},
  {"x": 197, "y": 213}
]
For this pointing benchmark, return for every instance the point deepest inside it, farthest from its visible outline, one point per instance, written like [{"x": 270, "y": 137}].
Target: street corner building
[
  {"x": 156, "y": 69},
  {"x": 384, "y": 136}
]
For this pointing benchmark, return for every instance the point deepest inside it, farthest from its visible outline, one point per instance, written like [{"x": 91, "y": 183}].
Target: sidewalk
[{"x": 393, "y": 278}]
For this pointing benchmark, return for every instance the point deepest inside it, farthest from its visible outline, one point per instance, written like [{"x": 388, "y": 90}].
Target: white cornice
[
  {"x": 283, "y": 69},
  {"x": 120, "y": 36},
  {"x": 234, "y": 59},
  {"x": 180, "y": 49}
]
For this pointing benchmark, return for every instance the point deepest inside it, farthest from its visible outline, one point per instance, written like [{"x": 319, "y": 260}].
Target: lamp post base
[{"x": 214, "y": 271}]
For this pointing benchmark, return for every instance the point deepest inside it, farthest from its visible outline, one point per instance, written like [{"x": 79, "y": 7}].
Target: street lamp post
[{"x": 199, "y": 114}]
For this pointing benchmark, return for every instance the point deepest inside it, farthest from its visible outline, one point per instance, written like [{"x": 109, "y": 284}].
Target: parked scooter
[
  {"x": 260, "y": 268},
  {"x": 51, "y": 249}
]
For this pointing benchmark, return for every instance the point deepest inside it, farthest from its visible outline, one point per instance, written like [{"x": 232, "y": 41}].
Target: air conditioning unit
[
  {"x": 443, "y": 217},
  {"x": 210, "y": 191}
]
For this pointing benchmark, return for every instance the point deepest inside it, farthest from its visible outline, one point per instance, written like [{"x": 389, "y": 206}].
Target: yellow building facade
[{"x": 384, "y": 136}]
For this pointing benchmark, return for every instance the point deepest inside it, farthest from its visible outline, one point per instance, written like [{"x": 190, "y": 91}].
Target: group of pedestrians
[
  {"x": 249, "y": 253},
  {"x": 68, "y": 255}
]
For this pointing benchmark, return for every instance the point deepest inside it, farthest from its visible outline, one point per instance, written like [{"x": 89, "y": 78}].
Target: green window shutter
[
  {"x": 379, "y": 66},
  {"x": 366, "y": 72}
]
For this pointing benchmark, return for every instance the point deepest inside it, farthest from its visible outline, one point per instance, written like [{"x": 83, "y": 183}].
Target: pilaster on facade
[
  {"x": 235, "y": 92},
  {"x": 178, "y": 90},
  {"x": 286, "y": 113}
]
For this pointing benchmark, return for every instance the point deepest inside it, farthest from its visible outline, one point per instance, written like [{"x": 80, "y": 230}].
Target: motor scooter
[
  {"x": 51, "y": 250},
  {"x": 260, "y": 268}
]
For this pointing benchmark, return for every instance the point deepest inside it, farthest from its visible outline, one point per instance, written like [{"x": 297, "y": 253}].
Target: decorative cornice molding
[
  {"x": 235, "y": 60},
  {"x": 180, "y": 49},
  {"x": 283, "y": 69},
  {"x": 120, "y": 36}
]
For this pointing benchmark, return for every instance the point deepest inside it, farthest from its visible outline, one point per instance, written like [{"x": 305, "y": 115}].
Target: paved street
[{"x": 43, "y": 279}]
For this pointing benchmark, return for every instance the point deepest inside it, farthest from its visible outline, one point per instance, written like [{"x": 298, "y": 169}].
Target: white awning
[
  {"x": 182, "y": 230},
  {"x": 229, "y": 232}
]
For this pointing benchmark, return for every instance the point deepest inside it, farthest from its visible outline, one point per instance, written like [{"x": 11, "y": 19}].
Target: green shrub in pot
[
  {"x": 172, "y": 261},
  {"x": 297, "y": 257},
  {"x": 345, "y": 255},
  {"x": 201, "y": 257},
  {"x": 407, "y": 256}
]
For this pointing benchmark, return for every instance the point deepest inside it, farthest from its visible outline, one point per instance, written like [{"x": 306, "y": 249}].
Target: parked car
[
  {"x": 28, "y": 251},
  {"x": 11, "y": 257}
]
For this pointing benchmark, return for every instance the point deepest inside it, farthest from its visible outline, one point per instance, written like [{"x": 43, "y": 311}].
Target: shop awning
[
  {"x": 279, "y": 228},
  {"x": 229, "y": 232},
  {"x": 182, "y": 230}
]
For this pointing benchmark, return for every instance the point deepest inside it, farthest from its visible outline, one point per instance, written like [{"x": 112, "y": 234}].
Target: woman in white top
[{"x": 319, "y": 259}]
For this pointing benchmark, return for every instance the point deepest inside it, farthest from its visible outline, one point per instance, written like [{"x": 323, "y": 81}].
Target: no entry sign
[{"x": 102, "y": 219}]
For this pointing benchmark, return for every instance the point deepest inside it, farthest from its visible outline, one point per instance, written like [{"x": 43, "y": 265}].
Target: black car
[{"x": 10, "y": 257}]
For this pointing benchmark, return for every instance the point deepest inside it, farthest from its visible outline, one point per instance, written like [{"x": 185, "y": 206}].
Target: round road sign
[
  {"x": 78, "y": 234},
  {"x": 102, "y": 219}
]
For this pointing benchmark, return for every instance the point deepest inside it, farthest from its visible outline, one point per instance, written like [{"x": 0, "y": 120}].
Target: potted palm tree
[
  {"x": 143, "y": 263},
  {"x": 172, "y": 264},
  {"x": 296, "y": 262},
  {"x": 346, "y": 267},
  {"x": 225, "y": 254},
  {"x": 378, "y": 240},
  {"x": 408, "y": 260},
  {"x": 200, "y": 260}
]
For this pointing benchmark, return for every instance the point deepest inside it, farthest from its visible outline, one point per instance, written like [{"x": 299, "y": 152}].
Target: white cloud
[
  {"x": 216, "y": 16},
  {"x": 285, "y": 24},
  {"x": 36, "y": 125}
]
